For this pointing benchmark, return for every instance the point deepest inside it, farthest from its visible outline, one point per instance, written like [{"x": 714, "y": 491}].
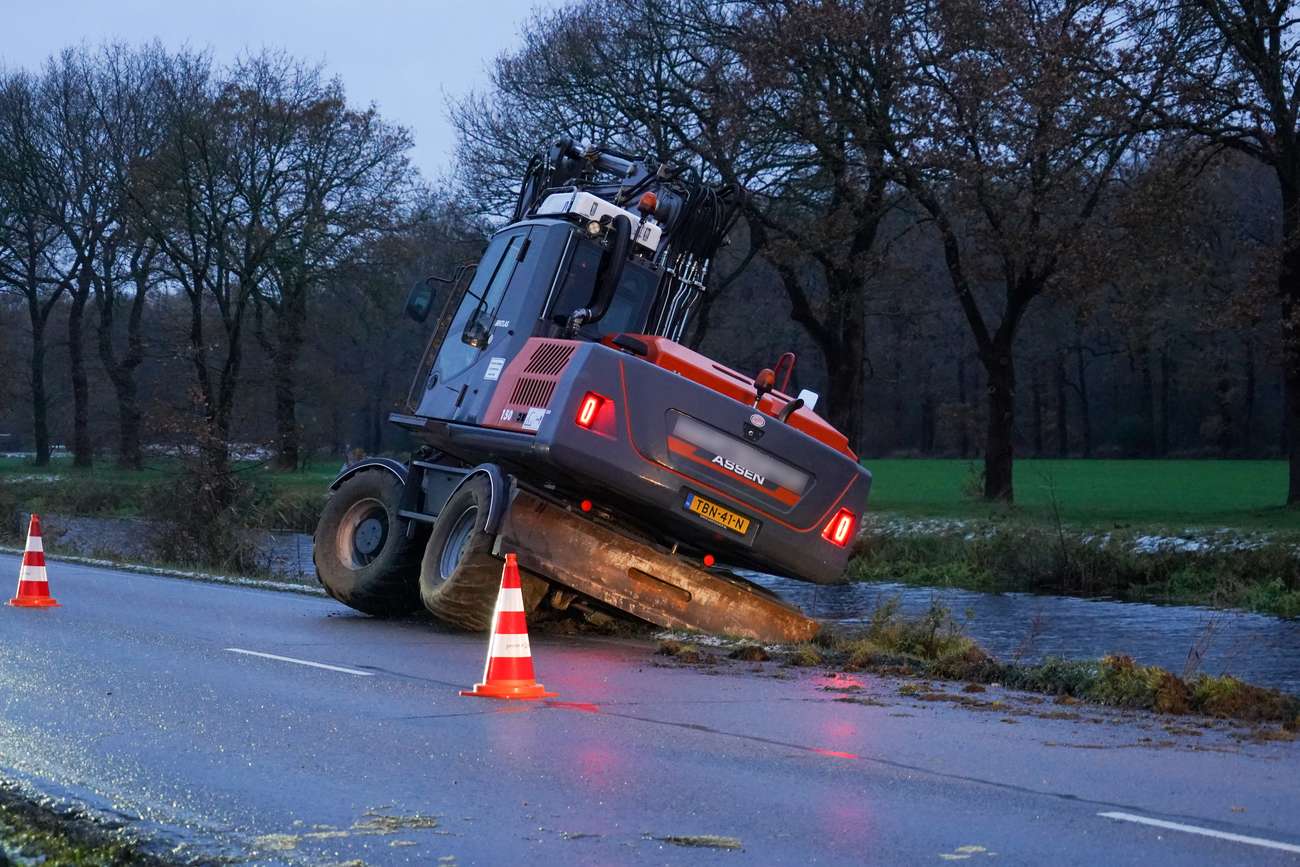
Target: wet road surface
[{"x": 189, "y": 707}]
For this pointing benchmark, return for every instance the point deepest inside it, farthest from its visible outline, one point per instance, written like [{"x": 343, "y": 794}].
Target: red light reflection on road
[{"x": 581, "y": 706}]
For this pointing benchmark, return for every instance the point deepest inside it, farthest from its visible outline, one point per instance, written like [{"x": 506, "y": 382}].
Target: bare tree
[
  {"x": 1241, "y": 90},
  {"x": 218, "y": 200},
  {"x": 818, "y": 79},
  {"x": 82, "y": 203},
  {"x": 349, "y": 178},
  {"x": 125, "y": 271},
  {"x": 29, "y": 240},
  {"x": 1015, "y": 135}
]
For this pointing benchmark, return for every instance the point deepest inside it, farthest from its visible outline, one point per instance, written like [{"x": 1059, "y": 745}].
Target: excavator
[{"x": 559, "y": 417}]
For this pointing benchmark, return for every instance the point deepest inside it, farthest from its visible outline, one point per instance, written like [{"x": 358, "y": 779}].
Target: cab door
[{"x": 473, "y": 327}]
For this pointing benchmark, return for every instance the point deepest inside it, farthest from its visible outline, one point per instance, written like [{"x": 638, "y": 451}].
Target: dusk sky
[{"x": 403, "y": 55}]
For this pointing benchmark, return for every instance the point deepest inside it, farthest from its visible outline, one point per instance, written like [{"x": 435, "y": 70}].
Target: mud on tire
[
  {"x": 362, "y": 554},
  {"x": 459, "y": 576}
]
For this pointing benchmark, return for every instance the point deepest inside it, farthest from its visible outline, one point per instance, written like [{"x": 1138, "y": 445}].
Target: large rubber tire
[
  {"x": 363, "y": 556},
  {"x": 459, "y": 576}
]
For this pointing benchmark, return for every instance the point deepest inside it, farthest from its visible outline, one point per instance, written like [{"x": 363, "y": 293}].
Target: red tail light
[
  {"x": 840, "y": 530},
  {"x": 588, "y": 410}
]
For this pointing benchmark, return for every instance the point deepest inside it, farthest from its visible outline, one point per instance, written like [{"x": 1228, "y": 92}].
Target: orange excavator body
[{"x": 703, "y": 370}]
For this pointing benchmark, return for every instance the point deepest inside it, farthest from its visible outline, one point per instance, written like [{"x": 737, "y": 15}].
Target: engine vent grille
[
  {"x": 530, "y": 391},
  {"x": 549, "y": 359}
]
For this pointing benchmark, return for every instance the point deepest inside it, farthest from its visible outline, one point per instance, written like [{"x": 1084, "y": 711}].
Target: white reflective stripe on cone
[
  {"x": 35, "y": 574},
  {"x": 511, "y": 599},
  {"x": 509, "y": 645},
  {"x": 34, "y": 544}
]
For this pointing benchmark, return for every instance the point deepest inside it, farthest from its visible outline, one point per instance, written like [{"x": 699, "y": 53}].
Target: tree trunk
[
  {"x": 1288, "y": 284},
  {"x": 841, "y": 338},
  {"x": 121, "y": 372},
  {"x": 1147, "y": 412},
  {"x": 40, "y": 406},
  {"x": 1062, "y": 408},
  {"x": 1223, "y": 406},
  {"x": 288, "y": 349},
  {"x": 899, "y": 407},
  {"x": 1038, "y": 415},
  {"x": 999, "y": 451},
  {"x": 845, "y": 355},
  {"x": 927, "y": 413},
  {"x": 1085, "y": 411},
  {"x": 83, "y": 450},
  {"x": 963, "y": 446},
  {"x": 1248, "y": 410},
  {"x": 1166, "y": 374}
]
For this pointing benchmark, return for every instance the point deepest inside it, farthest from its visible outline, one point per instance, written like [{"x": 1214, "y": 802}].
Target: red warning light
[
  {"x": 589, "y": 409},
  {"x": 709, "y": 560},
  {"x": 840, "y": 529},
  {"x": 585, "y": 505}
]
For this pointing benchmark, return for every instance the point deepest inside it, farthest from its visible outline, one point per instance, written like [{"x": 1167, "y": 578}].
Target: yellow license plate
[{"x": 718, "y": 515}]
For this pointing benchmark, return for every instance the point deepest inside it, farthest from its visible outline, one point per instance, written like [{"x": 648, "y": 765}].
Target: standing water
[{"x": 1254, "y": 647}]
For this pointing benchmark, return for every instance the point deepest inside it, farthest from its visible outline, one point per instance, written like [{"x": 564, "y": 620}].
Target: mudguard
[
  {"x": 397, "y": 468},
  {"x": 501, "y": 484}
]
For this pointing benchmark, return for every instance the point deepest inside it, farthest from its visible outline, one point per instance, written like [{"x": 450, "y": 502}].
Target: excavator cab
[{"x": 561, "y": 418}]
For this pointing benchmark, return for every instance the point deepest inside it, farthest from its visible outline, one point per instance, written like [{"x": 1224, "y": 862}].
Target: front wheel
[
  {"x": 459, "y": 576},
  {"x": 363, "y": 556}
]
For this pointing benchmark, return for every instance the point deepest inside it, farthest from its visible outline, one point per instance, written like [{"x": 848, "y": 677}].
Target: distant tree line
[
  {"x": 990, "y": 227},
  {"x": 180, "y": 217}
]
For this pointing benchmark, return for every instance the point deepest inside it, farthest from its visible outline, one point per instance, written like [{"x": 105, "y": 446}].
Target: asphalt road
[{"x": 143, "y": 698}]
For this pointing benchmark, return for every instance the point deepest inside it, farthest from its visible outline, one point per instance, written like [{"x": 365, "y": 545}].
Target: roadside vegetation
[
  {"x": 1251, "y": 573},
  {"x": 32, "y": 833},
  {"x": 934, "y": 646},
  {"x": 271, "y": 500},
  {"x": 206, "y": 518}
]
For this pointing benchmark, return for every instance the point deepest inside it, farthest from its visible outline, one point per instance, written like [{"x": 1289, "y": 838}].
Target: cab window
[
  {"x": 467, "y": 334},
  {"x": 630, "y": 307}
]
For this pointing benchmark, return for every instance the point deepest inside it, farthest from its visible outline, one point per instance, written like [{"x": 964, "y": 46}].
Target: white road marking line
[
  {"x": 301, "y": 662},
  {"x": 1204, "y": 832}
]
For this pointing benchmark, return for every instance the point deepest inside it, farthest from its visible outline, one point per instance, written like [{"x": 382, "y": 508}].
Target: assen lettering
[{"x": 727, "y": 463}]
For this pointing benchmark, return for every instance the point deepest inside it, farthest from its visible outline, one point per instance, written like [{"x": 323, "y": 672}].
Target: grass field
[{"x": 1171, "y": 494}]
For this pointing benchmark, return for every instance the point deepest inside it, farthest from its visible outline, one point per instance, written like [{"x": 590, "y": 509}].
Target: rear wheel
[
  {"x": 363, "y": 556},
  {"x": 459, "y": 576}
]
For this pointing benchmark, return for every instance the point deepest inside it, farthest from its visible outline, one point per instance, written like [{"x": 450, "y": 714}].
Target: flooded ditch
[{"x": 1254, "y": 647}]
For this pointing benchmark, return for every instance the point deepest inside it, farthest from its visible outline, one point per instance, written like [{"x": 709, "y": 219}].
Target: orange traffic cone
[
  {"x": 33, "y": 589},
  {"x": 509, "y": 669}
]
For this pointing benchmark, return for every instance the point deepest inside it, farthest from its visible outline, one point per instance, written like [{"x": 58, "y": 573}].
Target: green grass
[{"x": 1096, "y": 493}]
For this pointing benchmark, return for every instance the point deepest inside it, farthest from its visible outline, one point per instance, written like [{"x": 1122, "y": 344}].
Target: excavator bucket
[{"x": 642, "y": 580}]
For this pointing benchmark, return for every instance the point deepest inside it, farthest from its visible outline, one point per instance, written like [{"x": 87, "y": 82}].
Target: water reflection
[{"x": 1254, "y": 647}]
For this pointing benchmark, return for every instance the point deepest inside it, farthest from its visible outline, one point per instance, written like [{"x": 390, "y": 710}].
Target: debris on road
[{"x": 702, "y": 841}]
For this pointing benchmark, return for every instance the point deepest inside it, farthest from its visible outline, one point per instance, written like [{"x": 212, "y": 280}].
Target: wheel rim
[
  {"x": 362, "y": 533},
  {"x": 457, "y": 542}
]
